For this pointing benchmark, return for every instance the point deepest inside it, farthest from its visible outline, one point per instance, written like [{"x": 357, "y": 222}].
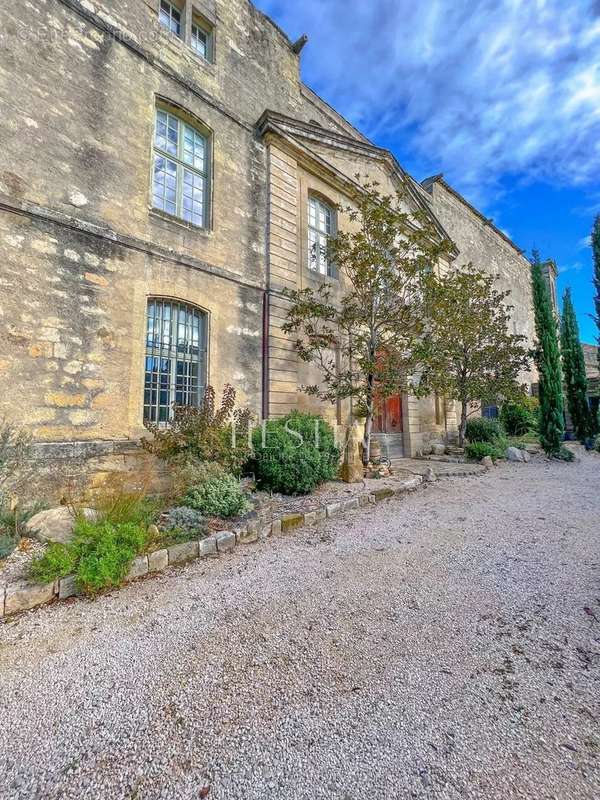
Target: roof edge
[{"x": 428, "y": 183}]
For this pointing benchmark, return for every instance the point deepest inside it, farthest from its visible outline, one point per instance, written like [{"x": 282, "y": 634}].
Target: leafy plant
[
  {"x": 471, "y": 355},
  {"x": 218, "y": 494},
  {"x": 294, "y": 454},
  {"x": 8, "y": 541},
  {"x": 99, "y": 555},
  {"x": 57, "y": 561},
  {"x": 185, "y": 519},
  {"x": 475, "y": 451},
  {"x": 207, "y": 433},
  {"x": 482, "y": 429},
  {"x": 367, "y": 342},
  {"x": 519, "y": 417},
  {"x": 564, "y": 454}
]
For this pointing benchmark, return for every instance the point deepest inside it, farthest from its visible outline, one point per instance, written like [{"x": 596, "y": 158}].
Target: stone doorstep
[{"x": 23, "y": 597}]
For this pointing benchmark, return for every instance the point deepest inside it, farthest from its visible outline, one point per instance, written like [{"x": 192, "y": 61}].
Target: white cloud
[{"x": 477, "y": 90}]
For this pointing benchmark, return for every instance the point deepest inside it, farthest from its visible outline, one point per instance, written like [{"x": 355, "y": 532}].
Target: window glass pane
[
  {"x": 200, "y": 41},
  {"x": 179, "y": 190},
  {"x": 170, "y": 17},
  {"x": 175, "y": 358}
]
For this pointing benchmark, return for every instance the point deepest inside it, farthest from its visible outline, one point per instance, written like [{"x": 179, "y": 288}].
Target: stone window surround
[
  {"x": 193, "y": 13},
  {"x": 191, "y": 119}
]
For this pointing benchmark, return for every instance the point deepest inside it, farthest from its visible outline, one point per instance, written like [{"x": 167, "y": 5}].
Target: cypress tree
[
  {"x": 547, "y": 358},
  {"x": 574, "y": 370},
  {"x": 596, "y": 279}
]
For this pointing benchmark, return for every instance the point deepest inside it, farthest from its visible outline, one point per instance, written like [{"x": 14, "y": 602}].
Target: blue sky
[{"x": 502, "y": 96}]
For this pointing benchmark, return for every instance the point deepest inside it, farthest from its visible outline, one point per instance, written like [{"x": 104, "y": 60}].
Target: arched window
[
  {"x": 181, "y": 169},
  {"x": 176, "y": 346},
  {"x": 321, "y": 226}
]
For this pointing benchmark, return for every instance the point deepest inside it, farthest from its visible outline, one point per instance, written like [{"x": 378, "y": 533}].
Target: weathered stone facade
[{"x": 83, "y": 249}]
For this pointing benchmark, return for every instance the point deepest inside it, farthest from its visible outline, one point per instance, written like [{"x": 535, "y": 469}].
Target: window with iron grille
[
  {"x": 181, "y": 180},
  {"x": 176, "y": 347},
  {"x": 321, "y": 226},
  {"x": 169, "y": 17}
]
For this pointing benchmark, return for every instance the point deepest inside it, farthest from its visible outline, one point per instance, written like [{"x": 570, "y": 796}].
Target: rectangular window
[
  {"x": 180, "y": 184},
  {"x": 170, "y": 17},
  {"x": 202, "y": 39},
  {"x": 175, "y": 368},
  {"x": 321, "y": 226}
]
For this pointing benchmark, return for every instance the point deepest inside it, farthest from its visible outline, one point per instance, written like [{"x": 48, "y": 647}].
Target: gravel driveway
[{"x": 443, "y": 645}]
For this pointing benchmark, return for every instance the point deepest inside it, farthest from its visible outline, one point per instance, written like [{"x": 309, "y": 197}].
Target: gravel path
[{"x": 443, "y": 645}]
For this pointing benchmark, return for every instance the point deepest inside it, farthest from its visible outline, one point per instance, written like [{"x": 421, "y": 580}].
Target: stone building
[{"x": 163, "y": 174}]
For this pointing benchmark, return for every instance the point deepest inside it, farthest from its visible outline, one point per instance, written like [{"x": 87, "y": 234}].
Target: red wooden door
[{"x": 388, "y": 417}]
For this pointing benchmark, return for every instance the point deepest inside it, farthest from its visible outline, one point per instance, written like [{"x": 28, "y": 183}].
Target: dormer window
[{"x": 170, "y": 17}]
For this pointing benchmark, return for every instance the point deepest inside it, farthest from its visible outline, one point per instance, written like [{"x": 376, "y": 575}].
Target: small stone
[
  {"x": 225, "y": 541},
  {"x": 514, "y": 454},
  {"x": 430, "y": 475},
  {"x": 67, "y": 587},
  {"x": 153, "y": 532},
  {"x": 310, "y": 518},
  {"x": 245, "y": 536},
  {"x": 138, "y": 568},
  {"x": 290, "y": 521},
  {"x": 267, "y": 530},
  {"x": 208, "y": 546},
  {"x": 158, "y": 560},
  {"x": 55, "y": 524},
  {"x": 21, "y": 597},
  {"x": 350, "y": 504},
  {"x": 487, "y": 462},
  {"x": 382, "y": 494},
  {"x": 180, "y": 553},
  {"x": 438, "y": 449},
  {"x": 276, "y": 527},
  {"x": 333, "y": 509}
]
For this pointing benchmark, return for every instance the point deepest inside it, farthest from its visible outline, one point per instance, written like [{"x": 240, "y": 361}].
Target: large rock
[
  {"x": 438, "y": 448},
  {"x": 514, "y": 454},
  {"x": 55, "y": 524}
]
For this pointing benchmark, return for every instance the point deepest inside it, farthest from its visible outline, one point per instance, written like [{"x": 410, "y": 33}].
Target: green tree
[
  {"x": 595, "y": 237},
  {"x": 573, "y": 363},
  {"x": 365, "y": 333},
  {"x": 471, "y": 355},
  {"x": 547, "y": 358}
]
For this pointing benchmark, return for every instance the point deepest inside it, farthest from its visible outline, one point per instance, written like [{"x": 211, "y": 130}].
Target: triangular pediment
[{"x": 311, "y": 144}]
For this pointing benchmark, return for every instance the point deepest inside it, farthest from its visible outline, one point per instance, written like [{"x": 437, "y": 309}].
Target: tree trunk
[
  {"x": 463, "y": 424},
  {"x": 367, "y": 437}
]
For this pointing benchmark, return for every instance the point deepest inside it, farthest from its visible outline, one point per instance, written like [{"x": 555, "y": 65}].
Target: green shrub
[
  {"x": 475, "y": 451},
  {"x": 564, "y": 454},
  {"x": 597, "y": 444},
  {"x": 519, "y": 417},
  {"x": 299, "y": 453},
  {"x": 186, "y": 520},
  {"x": 99, "y": 555},
  {"x": 57, "y": 561},
  {"x": 204, "y": 433},
  {"x": 217, "y": 493},
  {"x": 481, "y": 429},
  {"x": 105, "y": 551}
]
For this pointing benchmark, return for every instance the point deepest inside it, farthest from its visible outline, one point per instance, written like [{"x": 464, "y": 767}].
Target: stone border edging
[{"x": 17, "y": 597}]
